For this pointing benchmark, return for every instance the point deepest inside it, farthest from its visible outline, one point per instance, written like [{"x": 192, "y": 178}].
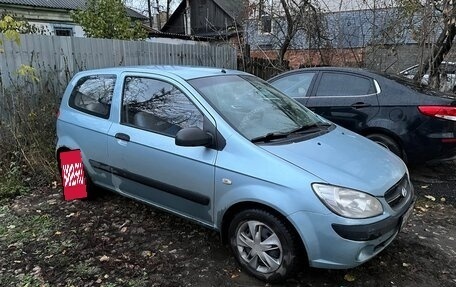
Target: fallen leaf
[
  {"x": 104, "y": 258},
  {"x": 349, "y": 278},
  {"x": 52, "y": 201},
  {"x": 36, "y": 269},
  {"x": 405, "y": 264},
  {"x": 123, "y": 229},
  {"x": 430, "y": 197},
  {"x": 58, "y": 233},
  {"x": 147, "y": 253}
]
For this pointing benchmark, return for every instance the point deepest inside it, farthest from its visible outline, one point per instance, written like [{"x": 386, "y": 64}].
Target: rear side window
[
  {"x": 93, "y": 95},
  {"x": 294, "y": 85},
  {"x": 344, "y": 85}
]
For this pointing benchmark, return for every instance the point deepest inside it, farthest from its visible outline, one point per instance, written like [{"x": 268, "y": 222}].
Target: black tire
[
  {"x": 388, "y": 143},
  {"x": 282, "y": 252},
  {"x": 90, "y": 187}
]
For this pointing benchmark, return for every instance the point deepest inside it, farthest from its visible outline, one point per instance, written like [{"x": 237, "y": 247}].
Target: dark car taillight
[{"x": 443, "y": 112}]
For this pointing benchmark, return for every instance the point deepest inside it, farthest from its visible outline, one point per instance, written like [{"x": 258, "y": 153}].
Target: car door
[
  {"x": 145, "y": 161},
  {"x": 347, "y": 99},
  {"x": 296, "y": 85}
]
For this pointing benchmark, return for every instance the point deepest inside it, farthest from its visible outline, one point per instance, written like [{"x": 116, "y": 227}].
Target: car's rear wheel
[
  {"x": 263, "y": 245},
  {"x": 387, "y": 142}
]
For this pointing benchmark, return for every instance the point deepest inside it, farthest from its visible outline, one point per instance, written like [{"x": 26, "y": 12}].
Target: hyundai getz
[{"x": 228, "y": 151}]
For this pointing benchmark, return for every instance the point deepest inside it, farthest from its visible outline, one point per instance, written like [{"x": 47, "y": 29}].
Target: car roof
[
  {"x": 334, "y": 69},
  {"x": 184, "y": 72}
]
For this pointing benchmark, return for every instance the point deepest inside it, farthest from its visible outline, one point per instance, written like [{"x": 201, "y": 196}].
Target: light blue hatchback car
[{"x": 227, "y": 150}]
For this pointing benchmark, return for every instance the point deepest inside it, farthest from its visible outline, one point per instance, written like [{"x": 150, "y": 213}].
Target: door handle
[
  {"x": 123, "y": 137},
  {"x": 360, "y": 105}
]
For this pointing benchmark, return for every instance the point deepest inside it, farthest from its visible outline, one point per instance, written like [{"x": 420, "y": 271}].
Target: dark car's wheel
[
  {"x": 386, "y": 142},
  {"x": 263, "y": 245}
]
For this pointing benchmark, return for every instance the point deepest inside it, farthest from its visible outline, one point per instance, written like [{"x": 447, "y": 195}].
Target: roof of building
[
  {"x": 233, "y": 8},
  {"x": 63, "y": 4}
]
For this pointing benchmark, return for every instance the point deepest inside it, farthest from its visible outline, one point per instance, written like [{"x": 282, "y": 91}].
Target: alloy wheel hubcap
[{"x": 259, "y": 246}]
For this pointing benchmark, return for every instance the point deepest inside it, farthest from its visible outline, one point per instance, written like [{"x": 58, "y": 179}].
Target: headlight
[{"x": 348, "y": 202}]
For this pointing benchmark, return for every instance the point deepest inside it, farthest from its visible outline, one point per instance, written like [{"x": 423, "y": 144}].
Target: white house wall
[{"x": 49, "y": 28}]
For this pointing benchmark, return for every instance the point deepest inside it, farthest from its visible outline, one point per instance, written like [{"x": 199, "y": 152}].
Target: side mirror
[{"x": 193, "y": 137}]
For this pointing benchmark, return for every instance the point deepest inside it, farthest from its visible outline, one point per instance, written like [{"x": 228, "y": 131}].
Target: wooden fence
[
  {"x": 57, "y": 59},
  {"x": 261, "y": 67}
]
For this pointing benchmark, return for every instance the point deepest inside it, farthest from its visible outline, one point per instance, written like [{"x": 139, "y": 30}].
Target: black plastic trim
[{"x": 186, "y": 194}]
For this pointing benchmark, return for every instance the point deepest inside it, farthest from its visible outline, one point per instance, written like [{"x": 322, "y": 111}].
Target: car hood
[{"x": 343, "y": 158}]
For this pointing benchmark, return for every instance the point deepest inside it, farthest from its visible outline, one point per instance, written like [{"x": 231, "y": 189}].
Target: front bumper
[{"x": 346, "y": 243}]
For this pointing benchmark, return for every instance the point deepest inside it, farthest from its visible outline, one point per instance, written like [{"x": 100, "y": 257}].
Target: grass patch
[{"x": 12, "y": 183}]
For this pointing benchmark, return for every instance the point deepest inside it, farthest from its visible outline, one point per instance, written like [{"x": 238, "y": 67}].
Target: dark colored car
[{"x": 416, "y": 123}]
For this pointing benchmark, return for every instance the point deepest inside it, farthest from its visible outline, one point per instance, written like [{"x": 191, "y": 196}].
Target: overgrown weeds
[{"x": 27, "y": 136}]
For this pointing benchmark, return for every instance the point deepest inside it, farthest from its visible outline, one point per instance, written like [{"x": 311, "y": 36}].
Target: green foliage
[
  {"x": 11, "y": 183},
  {"x": 27, "y": 134},
  {"x": 28, "y": 72},
  {"x": 108, "y": 19},
  {"x": 10, "y": 28}
]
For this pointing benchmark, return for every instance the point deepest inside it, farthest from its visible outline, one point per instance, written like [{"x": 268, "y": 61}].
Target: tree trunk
[
  {"x": 441, "y": 47},
  {"x": 289, "y": 34}
]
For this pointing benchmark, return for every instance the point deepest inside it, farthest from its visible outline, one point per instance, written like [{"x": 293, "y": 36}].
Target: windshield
[{"x": 253, "y": 107}]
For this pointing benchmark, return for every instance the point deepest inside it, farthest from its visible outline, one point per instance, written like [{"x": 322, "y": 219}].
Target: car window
[
  {"x": 412, "y": 71},
  {"x": 448, "y": 68},
  {"x": 93, "y": 95},
  {"x": 294, "y": 85},
  {"x": 158, "y": 106},
  {"x": 339, "y": 84}
]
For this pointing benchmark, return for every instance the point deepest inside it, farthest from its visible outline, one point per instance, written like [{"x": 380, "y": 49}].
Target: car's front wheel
[{"x": 263, "y": 245}]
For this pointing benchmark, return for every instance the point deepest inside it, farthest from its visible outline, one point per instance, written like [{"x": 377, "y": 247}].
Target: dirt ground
[{"x": 114, "y": 241}]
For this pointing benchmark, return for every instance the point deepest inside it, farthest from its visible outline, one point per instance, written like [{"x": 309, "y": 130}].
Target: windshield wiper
[
  {"x": 309, "y": 128},
  {"x": 269, "y": 137},
  {"x": 279, "y": 135}
]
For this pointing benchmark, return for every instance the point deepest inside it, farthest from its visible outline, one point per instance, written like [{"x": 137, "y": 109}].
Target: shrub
[{"x": 27, "y": 137}]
